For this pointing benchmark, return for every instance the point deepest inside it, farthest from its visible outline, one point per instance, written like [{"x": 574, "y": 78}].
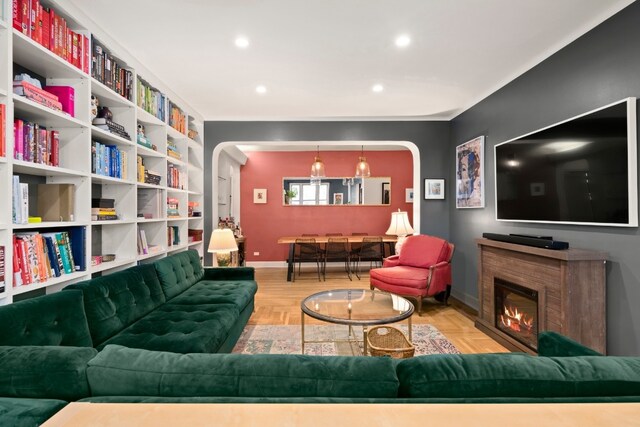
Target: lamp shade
[
  {"x": 400, "y": 225},
  {"x": 317, "y": 168},
  {"x": 222, "y": 240},
  {"x": 362, "y": 168}
]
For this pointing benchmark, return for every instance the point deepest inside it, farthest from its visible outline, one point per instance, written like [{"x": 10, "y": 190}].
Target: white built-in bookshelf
[{"x": 76, "y": 134}]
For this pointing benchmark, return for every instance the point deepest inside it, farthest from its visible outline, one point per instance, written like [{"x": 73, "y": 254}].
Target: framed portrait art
[
  {"x": 433, "y": 189},
  {"x": 259, "y": 195},
  {"x": 470, "y": 174},
  {"x": 338, "y": 198}
]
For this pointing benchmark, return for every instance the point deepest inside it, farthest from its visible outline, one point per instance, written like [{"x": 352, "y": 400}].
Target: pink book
[
  {"x": 66, "y": 96},
  {"x": 18, "y": 139}
]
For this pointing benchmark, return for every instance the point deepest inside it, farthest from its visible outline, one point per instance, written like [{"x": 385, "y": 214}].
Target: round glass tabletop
[{"x": 357, "y": 307}]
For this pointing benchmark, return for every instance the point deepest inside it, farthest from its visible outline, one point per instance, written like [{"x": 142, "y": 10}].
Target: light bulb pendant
[{"x": 362, "y": 168}]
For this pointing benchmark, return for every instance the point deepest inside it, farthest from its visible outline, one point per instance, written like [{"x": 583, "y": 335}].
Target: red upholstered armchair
[{"x": 423, "y": 269}]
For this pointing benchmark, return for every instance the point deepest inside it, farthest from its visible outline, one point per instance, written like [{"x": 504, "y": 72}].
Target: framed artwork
[
  {"x": 386, "y": 193},
  {"x": 259, "y": 195},
  {"x": 337, "y": 198},
  {"x": 433, "y": 189},
  {"x": 470, "y": 174},
  {"x": 408, "y": 195}
]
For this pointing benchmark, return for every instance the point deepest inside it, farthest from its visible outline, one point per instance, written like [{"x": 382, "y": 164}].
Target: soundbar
[{"x": 527, "y": 241}]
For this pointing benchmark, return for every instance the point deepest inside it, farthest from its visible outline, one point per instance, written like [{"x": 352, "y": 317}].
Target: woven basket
[{"x": 389, "y": 341}]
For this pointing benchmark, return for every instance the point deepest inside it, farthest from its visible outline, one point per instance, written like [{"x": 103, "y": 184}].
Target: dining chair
[
  {"x": 371, "y": 250},
  {"x": 355, "y": 246},
  {"x": 337, "y": 249},
  {"x": 307, "y": 250}
]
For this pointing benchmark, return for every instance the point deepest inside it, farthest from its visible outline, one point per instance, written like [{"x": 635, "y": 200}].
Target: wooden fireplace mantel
[{"x": 570, "y": 284}]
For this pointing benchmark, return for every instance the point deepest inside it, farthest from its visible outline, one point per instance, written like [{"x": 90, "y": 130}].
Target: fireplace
[{"x": 516, "y": 312}]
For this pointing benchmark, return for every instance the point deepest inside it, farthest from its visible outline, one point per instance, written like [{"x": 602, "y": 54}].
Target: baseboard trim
[{"x": 266, "y": 264}]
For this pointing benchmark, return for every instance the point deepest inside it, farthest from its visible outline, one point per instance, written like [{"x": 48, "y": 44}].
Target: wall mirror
[{"x": 371, "y": 191}]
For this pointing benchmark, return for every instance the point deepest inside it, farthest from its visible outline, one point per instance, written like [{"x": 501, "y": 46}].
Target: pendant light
[
  {"x": 317, "y": 168},
  {"x": 362, "y": 168}
]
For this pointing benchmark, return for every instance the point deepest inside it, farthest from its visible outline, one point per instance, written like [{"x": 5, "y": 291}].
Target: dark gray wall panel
[
  {"x": 432, "y": 139},
  {"x": 601, "y": 67}
]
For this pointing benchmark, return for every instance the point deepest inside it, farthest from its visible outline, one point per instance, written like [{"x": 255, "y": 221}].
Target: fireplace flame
[{"x": 516, "y": 320}]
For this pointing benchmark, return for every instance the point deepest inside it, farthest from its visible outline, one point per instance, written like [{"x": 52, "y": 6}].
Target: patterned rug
[{"x": 271, "y": 339}]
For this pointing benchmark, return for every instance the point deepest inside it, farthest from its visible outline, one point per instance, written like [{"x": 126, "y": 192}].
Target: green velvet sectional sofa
[{"x": 110, "y": 340}]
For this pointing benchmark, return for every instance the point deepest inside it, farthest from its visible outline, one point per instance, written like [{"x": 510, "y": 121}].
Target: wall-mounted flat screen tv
[{"x": 579, "y": 171}]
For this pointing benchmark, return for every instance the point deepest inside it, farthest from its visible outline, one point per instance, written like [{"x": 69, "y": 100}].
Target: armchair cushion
[
  {"x": 423, "y": 251},
  {"x": 401, "y": 275},
  {"x": 391, "y": 261}
]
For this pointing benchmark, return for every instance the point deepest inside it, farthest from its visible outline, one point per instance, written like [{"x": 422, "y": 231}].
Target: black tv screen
[{"x": 580, "y": 171}]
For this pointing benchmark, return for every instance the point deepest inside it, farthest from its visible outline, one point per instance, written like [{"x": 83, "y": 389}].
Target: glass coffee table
[{"x": 356, "y": 307}]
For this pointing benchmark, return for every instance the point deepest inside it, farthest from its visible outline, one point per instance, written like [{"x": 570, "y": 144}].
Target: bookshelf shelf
[
  {"x": 194, "y": 193},
  {"x": 148, "y": 118},
  {"x": 115, "y": 99},
  {"x": 35, "y": 57},
  {"x": 192, "y": 218},
  {"x": 150, "y": 220},
  {"x": 148, "y": 152},
  {"x": 145, "y": 185},
  {"x": 55, "y": 281},
  {"x": 174, "y": 219},
  {"x": 103, "y": 135},
  {"x": 113, "y": 222},
  {"x": 28, "y": 110},
  {"x": 3, "y": 92},
  {"x": 48, "y": 224},
  {"x": 176, "y": 161},
  {"x": 112, "y": 264},
  {"x": 31, "y": 168},
  {"x": 195, "y": 243},
  {"x": 155, "y": 254},
  {"x": 175, "y": 134},
  {"x": 176, "y": 190},
  {"x": 175, "y": 248},
  {"x": 102, "y": 179}
]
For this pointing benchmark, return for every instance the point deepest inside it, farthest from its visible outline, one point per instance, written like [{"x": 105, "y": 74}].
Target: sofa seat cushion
[
  {"x": 115, "y": 301},
  {"x": 179, "y": 272},
  {"x": 518, "y": 375},
  {"x": 180, "y": 328},
  {"x": 121, "y": 371},
  {"x": 20, "y": 412},
  {"x": 237, "y": 292},
  {"x": 56, "y": 319},
  {"x": 402, "y": 276},
  {"x": 45, "y": 372}
]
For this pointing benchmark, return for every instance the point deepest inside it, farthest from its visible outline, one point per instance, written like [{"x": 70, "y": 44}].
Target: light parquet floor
[{"x": 278, "y": 303}]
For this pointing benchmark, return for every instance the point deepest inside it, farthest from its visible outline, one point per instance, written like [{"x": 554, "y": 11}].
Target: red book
[
  {"x": 39, "y": 24},
  {"x": 87, "y": 54},
  {"x": 24, "y": 17},
  {"x": 16, "y": 9},
  {"x": 33, "y": 11},
  {"x": 46, "y": 28},
  {"x": 25, "y": 269},
  {"x": 53, "y": 30},
  {"x": 55, "y": 148},
  {"x": 3, "y": 130},
  {"x": 17, "y": 272},
  {"x": 75, "y": 59}
]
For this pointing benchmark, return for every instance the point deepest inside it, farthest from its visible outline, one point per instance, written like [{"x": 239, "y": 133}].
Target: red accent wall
[{"x": 263, "y": 224}]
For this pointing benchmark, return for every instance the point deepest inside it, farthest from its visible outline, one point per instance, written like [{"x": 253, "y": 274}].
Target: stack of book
[
  {"x": 103, "y": 210},
  {"x": 20, "y": 201},
  {"x": 34, "y": 143},
  {"x": 172, "y": 150},
  {"x": 111, "y": 127},
  {"x": 177, "y": 118},
  {"x": 144, "y": 247},
  {"x": 30, "y": 88},
  {"x": 38, "y": 257},
  {"x": 108, "y": 160},
  {"x": 172, "y": 208},
  {"x": 151, "y": 100},
  {"x": 173, "y": 235},
  {"x": 191, "y": 209},
  {"x": 175, "y": 177},
  {"x": 107, "y": 70},
  {"x": 44, "y": 26}
]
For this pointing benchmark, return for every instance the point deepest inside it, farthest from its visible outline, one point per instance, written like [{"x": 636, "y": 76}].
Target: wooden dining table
[{"x": 291, "y": 240}]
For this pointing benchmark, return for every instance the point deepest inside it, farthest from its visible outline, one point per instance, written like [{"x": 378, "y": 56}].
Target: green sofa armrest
[
  {"x": 552, "y": 344},
  {"x": 229, "y": 273},
  {"x": 45, "y": 372}
]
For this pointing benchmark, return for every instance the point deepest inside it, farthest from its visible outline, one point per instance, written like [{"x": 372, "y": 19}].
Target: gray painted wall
[
  {"x": 601, "y": 67},
  {"x": 432, "y": 138}
]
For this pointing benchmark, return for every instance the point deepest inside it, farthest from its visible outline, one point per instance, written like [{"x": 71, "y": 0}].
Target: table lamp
[
  {"x": 222, "y": 243},
  {"x": 400, "y": 227}
]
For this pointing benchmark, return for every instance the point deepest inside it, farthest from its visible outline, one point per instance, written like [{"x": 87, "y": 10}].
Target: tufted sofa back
[
  {"x": 56, "y": 319},
  {"x": 179, "y": 272},
  {"x": 115, "y": 301}
]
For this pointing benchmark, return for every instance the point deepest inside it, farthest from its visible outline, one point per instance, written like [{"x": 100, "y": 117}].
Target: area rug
[{"x": 271, "y": 339}]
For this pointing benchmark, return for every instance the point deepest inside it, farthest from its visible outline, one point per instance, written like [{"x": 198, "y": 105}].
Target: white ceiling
[{"x": 319, "y": 59}]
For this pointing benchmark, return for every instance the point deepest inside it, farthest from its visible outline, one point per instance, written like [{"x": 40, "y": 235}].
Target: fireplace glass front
[{"x": 516, "y": 312}]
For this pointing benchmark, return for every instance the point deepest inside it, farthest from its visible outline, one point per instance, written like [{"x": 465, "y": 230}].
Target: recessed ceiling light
[
  {"x": 377, "y": 88},
  {"x": 403, "y": 40},
  {"x": 261, "y": 89},
  {"x": 242, "y": 42}
]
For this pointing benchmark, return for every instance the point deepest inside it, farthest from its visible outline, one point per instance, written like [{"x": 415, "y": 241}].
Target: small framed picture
[
  {"x": 408, "y": 195},
  {"x": 259, "y": 195},
  {"x": 433, "y": 189},
  {"x": 337, "y": 198}
]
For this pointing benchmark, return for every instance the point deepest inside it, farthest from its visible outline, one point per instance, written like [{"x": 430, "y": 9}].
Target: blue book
[
  {"x": 78, "y": 242},
  {"x": 64, "y": 254},
  {"x": 51, "y": 252}
]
